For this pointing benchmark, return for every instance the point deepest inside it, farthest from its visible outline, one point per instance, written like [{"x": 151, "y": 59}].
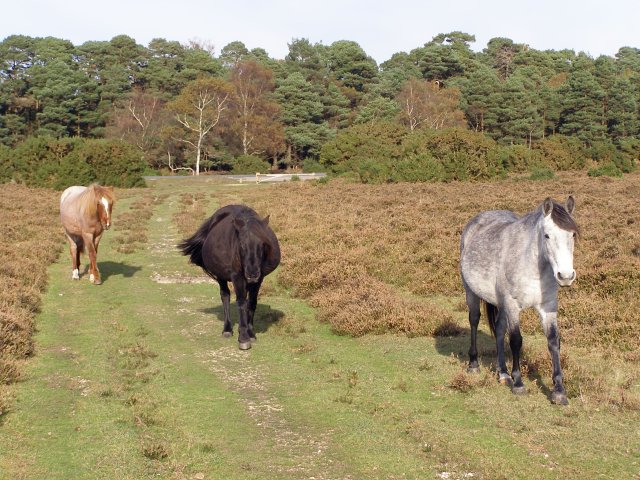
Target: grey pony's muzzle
[{"x": 565, "y": 280}]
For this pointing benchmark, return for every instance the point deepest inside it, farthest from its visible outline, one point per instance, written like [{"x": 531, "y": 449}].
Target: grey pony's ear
[
  {"x": 570, "y": 205},
  {"x": 547, "y": 206},
  {"x": 265, "y": 220}
]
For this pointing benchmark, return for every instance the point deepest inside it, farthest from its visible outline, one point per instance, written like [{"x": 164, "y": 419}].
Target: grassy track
[{"x": 133, "y": 380}]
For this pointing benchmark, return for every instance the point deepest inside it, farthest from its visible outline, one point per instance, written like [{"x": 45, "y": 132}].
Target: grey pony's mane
[
  {"x": 562, "y": 218},
  {"x": 559, "y": 215}
]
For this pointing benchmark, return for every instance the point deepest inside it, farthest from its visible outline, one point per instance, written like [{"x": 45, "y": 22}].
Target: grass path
[{"x": 132, "y": 380}]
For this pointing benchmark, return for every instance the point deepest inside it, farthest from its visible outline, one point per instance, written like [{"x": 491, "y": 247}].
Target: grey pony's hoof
[
  {"x": 473, "y": 369},
  {"x": 244, "y": 345},
  {"x": 227, "y": 334},
  {"x": 520, "y": 390},
  {"x": 558, "y": 398}
]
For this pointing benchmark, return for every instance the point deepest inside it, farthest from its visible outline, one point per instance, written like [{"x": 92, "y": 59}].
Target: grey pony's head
[{"x": 559, "y": 234}]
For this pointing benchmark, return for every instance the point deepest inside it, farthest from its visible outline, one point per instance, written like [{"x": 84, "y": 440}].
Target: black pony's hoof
[
  {"x": 559, "y": 398},
  {"x": 253, "y": 339},
  {"x": 505, "y": 379},
  {"x": 519, "y": 390},
  {"x": 244, "y": 345},
  {"x": 227, "y": 334},
  {"x": 473, "y": 369}
]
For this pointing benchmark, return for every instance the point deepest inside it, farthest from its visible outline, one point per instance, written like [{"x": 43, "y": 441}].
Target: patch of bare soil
[
  {"x": 235, "y": 368},
  {"x": 179, "y": 278}
]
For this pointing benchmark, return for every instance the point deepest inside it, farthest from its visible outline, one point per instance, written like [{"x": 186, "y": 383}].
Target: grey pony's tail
[{"x": 491, "y": 311}]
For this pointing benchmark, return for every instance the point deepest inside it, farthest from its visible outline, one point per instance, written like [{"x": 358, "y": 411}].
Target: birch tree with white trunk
[{"x": 199, "y": 109}]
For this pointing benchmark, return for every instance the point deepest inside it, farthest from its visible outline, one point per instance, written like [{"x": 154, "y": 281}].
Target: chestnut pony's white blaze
[{"x": 107, "y": 208}]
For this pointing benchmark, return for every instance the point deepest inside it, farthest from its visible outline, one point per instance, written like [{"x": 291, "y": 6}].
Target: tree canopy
[{"x": 286, "y": 111}]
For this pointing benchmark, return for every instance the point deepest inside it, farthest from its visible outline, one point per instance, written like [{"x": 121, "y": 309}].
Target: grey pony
[{"x": 510, "y": 263}]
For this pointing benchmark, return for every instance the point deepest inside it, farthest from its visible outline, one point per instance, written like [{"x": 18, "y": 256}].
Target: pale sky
[{"x": 381, "y": 28}]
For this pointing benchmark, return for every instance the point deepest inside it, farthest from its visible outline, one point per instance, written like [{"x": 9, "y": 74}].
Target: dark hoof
[
  {"x": 558, "y": 398},
  {"x": 473, "y": 369},
  {"x": 227, "y": 334},
  {"x": 519, "y": 390},
  {"x": 505, "y": 379},
  {"x": 244, "y": 345}
]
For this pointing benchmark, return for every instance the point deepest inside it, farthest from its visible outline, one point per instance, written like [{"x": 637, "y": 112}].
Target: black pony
[{"x": 235, "y": 245}]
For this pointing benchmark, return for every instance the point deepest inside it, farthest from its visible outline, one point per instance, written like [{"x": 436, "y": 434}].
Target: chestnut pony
[{"x": 86, "y": 213}]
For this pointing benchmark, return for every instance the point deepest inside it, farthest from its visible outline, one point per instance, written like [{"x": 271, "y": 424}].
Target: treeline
[{"x": 438, "y": 112}]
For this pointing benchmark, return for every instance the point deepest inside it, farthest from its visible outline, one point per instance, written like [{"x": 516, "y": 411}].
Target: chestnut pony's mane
[{"x": 89, "y": 199}]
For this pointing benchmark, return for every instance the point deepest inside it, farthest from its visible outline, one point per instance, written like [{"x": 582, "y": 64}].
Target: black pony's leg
[
  {"x": 225, "y": 296},
  {"x": 501, "y": 329},
  {"x": 550, "y": 327},
  {"x": 253, "y": 289},
  {"x": 240, "y": 286},
  {"x": 473, "y": 302}
]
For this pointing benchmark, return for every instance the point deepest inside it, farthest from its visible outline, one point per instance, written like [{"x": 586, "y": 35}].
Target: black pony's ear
[
  {"x": 570, "y": 206},
  {"x": 265, "y": 220},
  {"x": 547, "y": 206},
  {"x": 238, "y": 223}
]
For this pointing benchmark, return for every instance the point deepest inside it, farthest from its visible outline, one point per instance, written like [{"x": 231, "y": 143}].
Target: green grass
[{"x": 132, "y": 380}]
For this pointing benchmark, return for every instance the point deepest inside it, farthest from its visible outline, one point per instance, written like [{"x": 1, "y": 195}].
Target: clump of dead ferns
[
  {"x": 376, "y": 258},
  {"x": 31, "y": 239}
]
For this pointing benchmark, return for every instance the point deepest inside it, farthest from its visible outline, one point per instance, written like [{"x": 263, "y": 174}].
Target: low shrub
[
  {"x": 609, "y": 169},
  {"x": 249, "y": 164},
  {"x": 541, "y": 172},
  {"x": 59, "y": 163}
]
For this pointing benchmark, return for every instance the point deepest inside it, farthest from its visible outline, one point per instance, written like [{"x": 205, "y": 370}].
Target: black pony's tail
[
  {"x": 192, "y": 246},
  {"x": 491, "y": 311}
]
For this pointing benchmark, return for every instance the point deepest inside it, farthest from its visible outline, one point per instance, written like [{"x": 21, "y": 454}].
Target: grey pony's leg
[
  {"x": 515, "y": 341},
  {"x": 473, "y": 302},
  {"x": 512, "y": 319},
  {"x": 501, "y": 330},
  {"x": 549, "y": 318},
  {"x": 225, "y": 296}
]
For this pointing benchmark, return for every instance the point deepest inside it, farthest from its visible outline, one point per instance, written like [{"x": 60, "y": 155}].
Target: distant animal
[
  {"x": 510, "y": 263},
  {"x": 235, "y": 245},
  {"x": 86, "y": 213}
]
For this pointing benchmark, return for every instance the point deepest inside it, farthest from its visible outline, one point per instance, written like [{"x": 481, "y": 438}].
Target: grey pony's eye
[{"x": 546, "y": 235}]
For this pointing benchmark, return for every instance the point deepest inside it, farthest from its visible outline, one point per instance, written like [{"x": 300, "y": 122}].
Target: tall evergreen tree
[
  {"x": 302, "y": 115},
  {"x": 582, "y": 113},
  {"x": 350, "y": 65}
]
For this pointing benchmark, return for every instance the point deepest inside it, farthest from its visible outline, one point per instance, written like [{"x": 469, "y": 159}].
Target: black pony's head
[{"x": 252, "y": 246}]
